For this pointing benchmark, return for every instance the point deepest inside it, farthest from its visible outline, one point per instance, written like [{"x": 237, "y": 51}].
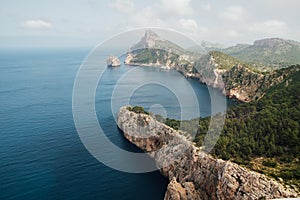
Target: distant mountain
[
  {"x": 210, "y": 46},
  {"x": 153, "y": 41},
  {"x": 267, "y": 54},
  {"x": 197, "y": 49},
  {"x": 205, "y": 47},
  {"x": 153, "y": 50}
]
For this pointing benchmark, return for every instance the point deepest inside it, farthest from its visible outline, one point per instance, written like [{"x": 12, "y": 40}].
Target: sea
[{"x": 41, "y": 154}]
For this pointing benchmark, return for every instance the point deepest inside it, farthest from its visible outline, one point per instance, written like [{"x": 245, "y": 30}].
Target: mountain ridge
[
  {"x": 267, "y": 54},
  {"x": 217, "y": 69}
]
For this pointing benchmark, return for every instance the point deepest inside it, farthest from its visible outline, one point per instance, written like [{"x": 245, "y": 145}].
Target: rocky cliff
[
  {"x": 235, "y": 78},
  {"x": 194, "y": 174}
]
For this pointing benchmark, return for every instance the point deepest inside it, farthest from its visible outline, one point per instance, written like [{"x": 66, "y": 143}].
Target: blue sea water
[{"x": 41, "y": 155}]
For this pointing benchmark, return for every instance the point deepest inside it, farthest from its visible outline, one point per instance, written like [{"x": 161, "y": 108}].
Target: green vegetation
[
  {"x": 267, "y": 128},
  {"x": 138, "y": 110},
  {"x": 262, "y": 135},
  {"x": 269, "y": 163},
  {"x": 225, "y": 61},
  {"x": 173, "y": 123},
  {"x": 267, "y": 54},
  {"x": 147, "y": 56}
]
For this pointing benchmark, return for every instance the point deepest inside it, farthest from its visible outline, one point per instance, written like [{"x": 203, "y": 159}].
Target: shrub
[
  {"x": 269, "y": 163},
  {"x": 138, "y": 109}
]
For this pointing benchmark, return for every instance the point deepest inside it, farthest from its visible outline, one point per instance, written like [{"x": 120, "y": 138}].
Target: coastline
[{"x": 195, "y": 175}]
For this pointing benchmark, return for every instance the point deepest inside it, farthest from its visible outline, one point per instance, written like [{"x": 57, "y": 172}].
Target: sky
[{"x": 86, "y": 23}]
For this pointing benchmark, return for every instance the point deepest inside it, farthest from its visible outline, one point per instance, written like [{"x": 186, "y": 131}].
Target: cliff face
[
  {"x": 192, "y": 173},
  {"x": 237, "y": 79}
]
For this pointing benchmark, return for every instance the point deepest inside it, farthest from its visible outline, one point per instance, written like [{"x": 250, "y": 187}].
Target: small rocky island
[
  {"x": 195, "y": 174},
  {"x": 113, "y": 61}
]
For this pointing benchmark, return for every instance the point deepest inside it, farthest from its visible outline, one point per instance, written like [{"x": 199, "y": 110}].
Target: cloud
[
  {"x": 189, "y": 24},
  {"x": 233, "y": 13},
  {"x": 233, "y": 33},
  {"x": 164, "y": 13},
  {"x": 270, "y": 28},
  {"x": 177, "y": 7},
  {"x": 125, "y": 6},
  {"x": 147, "y": 16},
  {"x": 37, "y": 24},
  {"x": 207, "y": 7}
]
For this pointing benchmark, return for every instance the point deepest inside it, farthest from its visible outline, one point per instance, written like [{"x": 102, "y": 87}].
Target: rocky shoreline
[{"x": 195, "y": 174}]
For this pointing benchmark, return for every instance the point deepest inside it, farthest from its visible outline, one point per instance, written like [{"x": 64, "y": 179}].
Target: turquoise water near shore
[{"x": 41, "y": 154}]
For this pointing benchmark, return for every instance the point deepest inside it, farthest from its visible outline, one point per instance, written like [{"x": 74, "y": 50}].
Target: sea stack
[{"x": 113, "y": 61}]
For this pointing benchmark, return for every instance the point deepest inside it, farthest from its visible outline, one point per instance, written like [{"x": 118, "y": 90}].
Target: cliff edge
[{"x": 192, "y": 173}]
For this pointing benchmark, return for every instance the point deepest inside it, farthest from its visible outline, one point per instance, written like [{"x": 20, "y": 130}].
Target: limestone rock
[
  {"x": 176, "y": 191},
  {"x": 113, "y": 61},
  {"x": 128, "y": 59},
  {"x": 148, "y": 41}
]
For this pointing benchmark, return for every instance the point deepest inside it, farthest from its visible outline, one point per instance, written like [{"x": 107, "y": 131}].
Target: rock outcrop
[
  {"x": 194, "y": 174},
  {"x": 113, "y": 61},
  {"x": 149, "y": 40},
  {"x": 128, "y": 59}
]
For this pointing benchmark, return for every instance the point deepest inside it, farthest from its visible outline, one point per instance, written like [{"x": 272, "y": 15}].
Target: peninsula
[{"x": 195, "y": 174}]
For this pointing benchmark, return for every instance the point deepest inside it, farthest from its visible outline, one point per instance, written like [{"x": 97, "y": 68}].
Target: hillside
[
  {"x": 240, "y": 80},
  {"x": 263, "y": 135},
  {"x": 267, "y": 54},
  {"x": 267, "y": 128}
]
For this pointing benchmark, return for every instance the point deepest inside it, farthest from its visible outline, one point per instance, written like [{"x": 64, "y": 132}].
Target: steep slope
[
  {"x": 238, "y": 79},
  {"x": 264, "y": 135},
  {"x": 267, "y": 53},
  {"x": 151, "y": 40}
]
